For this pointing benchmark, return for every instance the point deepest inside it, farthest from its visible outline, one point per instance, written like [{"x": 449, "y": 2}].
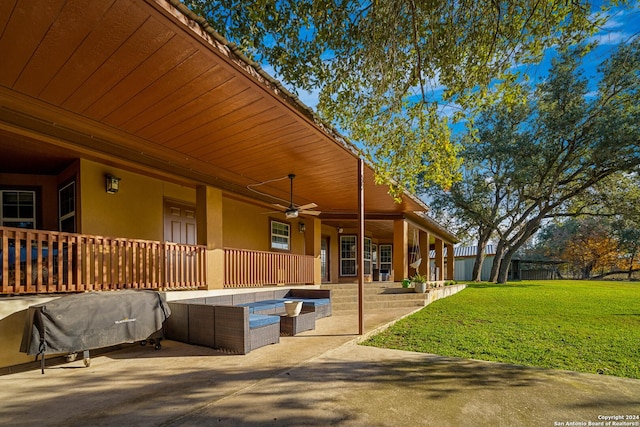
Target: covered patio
[{"x": 146, "y": 91}]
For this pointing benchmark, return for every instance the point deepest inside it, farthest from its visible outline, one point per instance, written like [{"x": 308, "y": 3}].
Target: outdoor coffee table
[{"x": 290, "y": 326}]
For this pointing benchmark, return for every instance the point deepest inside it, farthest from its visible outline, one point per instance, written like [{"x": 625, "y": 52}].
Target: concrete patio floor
[{"x": 318, "y": 378}]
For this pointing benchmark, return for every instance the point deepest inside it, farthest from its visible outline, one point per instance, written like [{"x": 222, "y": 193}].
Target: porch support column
[
  {"x": 312, "y": 235},
  {"x": 439, "y": 259},
  {"x": 424, "y": 253},
  {"x": 209, "y": 224},
  {"x": 360, "y": 250},
  {"x": 400, "y": 250},
  {"x": 450, "y": 262}
]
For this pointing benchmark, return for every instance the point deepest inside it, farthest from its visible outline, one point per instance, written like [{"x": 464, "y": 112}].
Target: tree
[
  {"x": 592, "y": 246},
  {"x": 488, "y": 194},
  {"x": 568, "y": 142},
  {"x": 621, "y": 199},
  {"x": 591, "y": 249},
  {"x": 384, "y": 69}
]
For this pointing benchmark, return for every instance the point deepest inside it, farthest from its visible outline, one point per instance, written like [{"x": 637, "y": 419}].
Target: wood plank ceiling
[{"x": 137, "y": 83}]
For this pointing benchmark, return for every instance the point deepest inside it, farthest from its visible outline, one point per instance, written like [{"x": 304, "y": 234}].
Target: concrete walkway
[{"x": 318, "y": 378}]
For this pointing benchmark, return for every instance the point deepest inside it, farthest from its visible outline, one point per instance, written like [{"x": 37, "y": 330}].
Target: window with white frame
[
  {"x": 348, "y": 255},
  {"x": 385, "y": 257},
  {"x": 280, "y": 236},
  {"x": 18, "y": 208},
  {"x": 67, "y": 208},
  {"x": 367, "y": 255}
]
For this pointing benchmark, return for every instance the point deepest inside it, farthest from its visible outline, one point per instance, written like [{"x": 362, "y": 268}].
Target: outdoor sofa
[{"x": 242, "y": 322}]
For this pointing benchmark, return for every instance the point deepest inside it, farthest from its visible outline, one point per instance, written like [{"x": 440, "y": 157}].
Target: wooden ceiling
[{"x": 141, "y": 84}]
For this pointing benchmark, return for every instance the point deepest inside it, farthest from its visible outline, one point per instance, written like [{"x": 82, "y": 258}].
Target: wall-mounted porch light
[
  {"x": 301, "y": 227},
  {"x": 113, "y": 184}
]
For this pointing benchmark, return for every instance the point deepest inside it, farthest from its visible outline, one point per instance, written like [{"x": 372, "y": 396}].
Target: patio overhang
[{"x": 146, "y": 85}]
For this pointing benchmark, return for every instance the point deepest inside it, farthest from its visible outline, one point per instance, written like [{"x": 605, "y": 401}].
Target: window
[
  {"x": 347, "y": 255},
  {"x": 385, "y": 257},
  {"x": 280, "y": 236},
  {"x": 18, "y": 209},
  {"x": 67, "y": 208},
  {"x": 348, "y": 252},
  {"x": 367, "y": 255}
]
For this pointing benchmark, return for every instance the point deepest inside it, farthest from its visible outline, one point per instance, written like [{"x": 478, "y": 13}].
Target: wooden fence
[
  {"x": 33, "y": 261},
  {"x": 245, "y": 268}
]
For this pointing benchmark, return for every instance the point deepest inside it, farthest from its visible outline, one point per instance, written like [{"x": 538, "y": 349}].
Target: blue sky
[{"x": 622, "y": 26}]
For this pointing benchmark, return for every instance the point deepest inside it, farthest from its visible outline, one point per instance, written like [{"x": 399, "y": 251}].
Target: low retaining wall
[{"x": 446, "y": 291}]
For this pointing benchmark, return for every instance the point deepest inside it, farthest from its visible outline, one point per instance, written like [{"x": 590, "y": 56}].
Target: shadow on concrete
[{"x": 191, "y": 385}]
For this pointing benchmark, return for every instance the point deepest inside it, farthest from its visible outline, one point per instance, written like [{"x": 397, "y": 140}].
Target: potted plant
[
  {"x": 419, "y": 283},
  {"x": 406, "y": 283}
]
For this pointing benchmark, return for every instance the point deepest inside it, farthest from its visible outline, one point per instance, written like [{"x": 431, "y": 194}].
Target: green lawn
[{"x": 583, "y": 326}]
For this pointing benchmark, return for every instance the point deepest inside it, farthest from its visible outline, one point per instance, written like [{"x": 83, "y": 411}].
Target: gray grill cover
[{"x": 93, "y": 320}]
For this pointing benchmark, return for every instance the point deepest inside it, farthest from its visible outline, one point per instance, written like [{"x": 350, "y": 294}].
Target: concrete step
[
  {"x": 347, "y": 307},
  {"x": 368, "y": 285},
  {"x": 377, "y": 295}
]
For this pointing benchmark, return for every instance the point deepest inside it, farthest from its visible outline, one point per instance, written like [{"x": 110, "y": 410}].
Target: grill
[{"x": 87, "y": 321}]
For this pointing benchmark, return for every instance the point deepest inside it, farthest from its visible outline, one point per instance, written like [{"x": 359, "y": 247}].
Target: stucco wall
[
  {"x": 246, "y": 226},
  {"x": 135, "y": 212},
  {"x": 13, "y": 313}
]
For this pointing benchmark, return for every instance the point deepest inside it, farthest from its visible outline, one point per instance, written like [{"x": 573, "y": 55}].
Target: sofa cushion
[
  {"x": 258, "y": 306},
  {"x": 311, "y": 301},
  {"x": 259, "y": 320}
]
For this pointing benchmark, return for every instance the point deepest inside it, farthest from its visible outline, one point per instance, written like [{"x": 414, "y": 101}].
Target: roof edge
[{"x": 253, "y": 69}]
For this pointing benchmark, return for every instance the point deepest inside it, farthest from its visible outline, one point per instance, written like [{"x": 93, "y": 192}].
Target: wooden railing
[
  {"x": 245, "y": 268},
  {"x": 33, "y": 261}
]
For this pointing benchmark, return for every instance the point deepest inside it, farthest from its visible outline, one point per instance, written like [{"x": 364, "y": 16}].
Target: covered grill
[{"x": 83, "y": 322}]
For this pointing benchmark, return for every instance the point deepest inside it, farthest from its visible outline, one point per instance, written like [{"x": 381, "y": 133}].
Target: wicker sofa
[{"x": 239, "y": 323}]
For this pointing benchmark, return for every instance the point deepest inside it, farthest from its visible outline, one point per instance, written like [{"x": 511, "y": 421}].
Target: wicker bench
[{"x": 239, "y": 323}]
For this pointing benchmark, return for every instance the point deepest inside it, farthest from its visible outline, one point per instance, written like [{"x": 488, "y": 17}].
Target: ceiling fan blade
[
  {"x": 313, "y": 213},
  {"x": 282, "y": 208},
  {"x": 307, "y": 206}
]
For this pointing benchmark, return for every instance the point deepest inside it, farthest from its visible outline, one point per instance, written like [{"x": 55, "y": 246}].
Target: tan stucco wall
[
  {"x": 13, "y": 313},
  {"x": 246, "y": 226},
  {"x": 135, "y": 212}
]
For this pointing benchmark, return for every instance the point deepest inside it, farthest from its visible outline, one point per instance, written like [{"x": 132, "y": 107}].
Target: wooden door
[{"x": 179, "y": 222}]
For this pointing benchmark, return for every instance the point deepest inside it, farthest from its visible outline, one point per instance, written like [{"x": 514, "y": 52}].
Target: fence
[
  {"x": 33, "y": 261},
  {"x": 256, "y": 268}
]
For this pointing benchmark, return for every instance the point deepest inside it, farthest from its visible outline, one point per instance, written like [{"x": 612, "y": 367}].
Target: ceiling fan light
[{"x": 292, "y": 213}]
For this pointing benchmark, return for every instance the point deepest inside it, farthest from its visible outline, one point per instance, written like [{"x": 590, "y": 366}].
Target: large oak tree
[
  {"x": 387, "y": 71},
  {"x": 544, "y": 159}
]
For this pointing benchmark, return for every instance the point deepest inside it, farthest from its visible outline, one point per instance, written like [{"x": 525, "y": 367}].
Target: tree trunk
[
  {"x": 497, "y": 261},
  {"x": 515, "y": 244},
  {"x": 476, "y": 275},
  {"x": 503, "y": 272},
  {"x": 633, "y": 257},
  {"x": 483, "y": 239}
]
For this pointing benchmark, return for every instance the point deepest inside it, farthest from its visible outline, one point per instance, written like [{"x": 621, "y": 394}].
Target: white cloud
[{"x": 610, "y": 38}]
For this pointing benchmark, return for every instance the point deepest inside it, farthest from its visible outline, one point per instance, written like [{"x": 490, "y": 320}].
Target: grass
[{"x": 583, "y": 326}]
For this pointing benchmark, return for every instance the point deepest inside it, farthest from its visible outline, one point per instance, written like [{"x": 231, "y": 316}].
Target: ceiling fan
[{"x": 292, "y": 211}]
